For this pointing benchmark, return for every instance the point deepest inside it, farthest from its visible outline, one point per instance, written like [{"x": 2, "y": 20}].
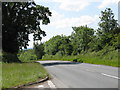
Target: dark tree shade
[
  {"x": 38, "y": 50},
  {"x": 19, "y": 19}
]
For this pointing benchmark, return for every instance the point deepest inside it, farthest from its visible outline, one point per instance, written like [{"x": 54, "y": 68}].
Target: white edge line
[
  {"x": 110, "y": 76},
  {"x": 40, "y": 86},
  {"x": 51, "y": 84}
]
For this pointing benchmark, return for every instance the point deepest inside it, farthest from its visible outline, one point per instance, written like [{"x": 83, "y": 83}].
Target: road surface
[{"x": 67, "y": 74}]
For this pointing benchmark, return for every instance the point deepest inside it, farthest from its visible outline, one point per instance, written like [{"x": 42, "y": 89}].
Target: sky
[{"x": 69, "y": 13}]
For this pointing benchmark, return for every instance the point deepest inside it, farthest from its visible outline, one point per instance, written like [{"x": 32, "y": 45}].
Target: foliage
[
  {"x": 39, "y": 50},
  {"x": 58, "y": 45},
  {"x": 26, "y": 55},
  {"x": 81, "y": 38},
  {"x": 14, "y": 74},
  {"x": 101, "y": 57},
  {"x": 19, "y": 19},
  {"x": 88, "y": 45},
  {"x": 107, "y": 27},
  {"x": 51, "y": 46},
  {"x": 10, "y": 57}
]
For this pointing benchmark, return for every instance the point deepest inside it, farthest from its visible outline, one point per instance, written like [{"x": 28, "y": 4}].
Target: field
[{"x": 15, "y": 74}]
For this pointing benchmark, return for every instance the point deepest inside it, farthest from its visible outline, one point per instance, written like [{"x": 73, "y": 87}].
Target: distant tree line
[{"x": 84, "y": 38}]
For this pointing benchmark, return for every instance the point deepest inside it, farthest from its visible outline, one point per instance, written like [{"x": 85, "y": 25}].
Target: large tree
[
  {"x": 107, "y": 27},
  {"x": 58, "y": 44},
  {"x": 80, "y": 38},
  {"x": 52, "y": 45},
  {"x": 19, "y": 19}
]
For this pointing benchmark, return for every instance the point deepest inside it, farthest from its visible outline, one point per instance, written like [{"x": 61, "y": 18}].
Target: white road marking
[
  {"x": 40, "y": 86},
  {"x": 51, "y": 84},
  {"x": 110, "y": 76}
]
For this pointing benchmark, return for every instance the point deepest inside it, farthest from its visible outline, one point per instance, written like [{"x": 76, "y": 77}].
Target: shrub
[
  {"x": 9, "y": 57},
  {"x": 27, "y": 55},
  {"x": 75, "y": 60},
  {"x": 80, "y": 60}
]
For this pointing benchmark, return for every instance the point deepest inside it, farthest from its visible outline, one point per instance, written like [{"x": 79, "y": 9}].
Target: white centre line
[
  {"x": 51, "y": 84},
  {"x": 110, "y": 76}
]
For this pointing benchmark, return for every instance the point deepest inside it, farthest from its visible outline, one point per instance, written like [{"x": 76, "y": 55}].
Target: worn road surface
[{"x": 67, "y": 74}]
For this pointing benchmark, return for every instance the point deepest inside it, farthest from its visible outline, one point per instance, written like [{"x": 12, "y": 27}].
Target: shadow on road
[{"x": 58, "y": 63}]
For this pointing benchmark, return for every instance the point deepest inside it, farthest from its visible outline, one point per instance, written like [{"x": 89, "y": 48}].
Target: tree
[
  {"x": 25, "y": 55},
  {"x": 107, "y": 27},
  {"x": 19, "y": 19},
  {"x": 59, "y": 44},
  {"x": 80, "y": 38},
  {"x": 65, "y": 45},
  {"x": 39, "y": 50},
  {"x": 51, "y": 46}
]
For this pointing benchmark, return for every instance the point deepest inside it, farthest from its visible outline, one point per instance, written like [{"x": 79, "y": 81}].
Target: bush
[
  {"x": 27, "y": 55},
  {"x": 46, "y": 56},
  {"x": 80, "y": 60},
  {"x": 75, "y": 60},
  {"x": 9, "y": 57}
]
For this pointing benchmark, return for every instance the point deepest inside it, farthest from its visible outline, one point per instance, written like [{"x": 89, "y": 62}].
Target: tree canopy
[
  {"x": 84, "y": 38},
  {"x": 107, "y": 27},
  {"x": 19, "y": 19},
  {"x": 78, "y": 41},
  {"x": 38, "y": 50},
  {"x": 58, "y": 44},
  {"x": 80, "y": 38}
]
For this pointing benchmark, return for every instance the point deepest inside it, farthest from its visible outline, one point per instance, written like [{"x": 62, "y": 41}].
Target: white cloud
[
  {"x": 75, "y": 5},
  {"x": 56, "y": 15},
  {"x": 105, "y": 3},
  {"x": 69, "y": 5},
  {"x": 75, "y": 21}
]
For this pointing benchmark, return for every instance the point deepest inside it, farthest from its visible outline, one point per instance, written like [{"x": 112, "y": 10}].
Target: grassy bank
[
  {"x": 102, "y": 57},
  {"x": 15, "y": 74}
]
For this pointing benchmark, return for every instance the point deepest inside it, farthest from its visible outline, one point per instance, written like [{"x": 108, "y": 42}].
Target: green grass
[
  {"x": 0, "y": 70},
  {"x": 0, "y": 75},
  {"x": 110, "y": 58},
  {"x": 15, "y": 74}
]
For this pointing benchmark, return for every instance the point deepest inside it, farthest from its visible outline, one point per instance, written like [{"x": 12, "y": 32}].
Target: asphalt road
[{"x": 67, "y": 74}]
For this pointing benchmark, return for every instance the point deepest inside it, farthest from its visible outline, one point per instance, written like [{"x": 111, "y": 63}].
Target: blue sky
[{"x": 69, "y": 13}]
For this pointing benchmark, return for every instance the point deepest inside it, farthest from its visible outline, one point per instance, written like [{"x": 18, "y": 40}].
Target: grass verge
[
  {"x": 101, "y": 58},
  {"x": 15, "y": 74}
]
